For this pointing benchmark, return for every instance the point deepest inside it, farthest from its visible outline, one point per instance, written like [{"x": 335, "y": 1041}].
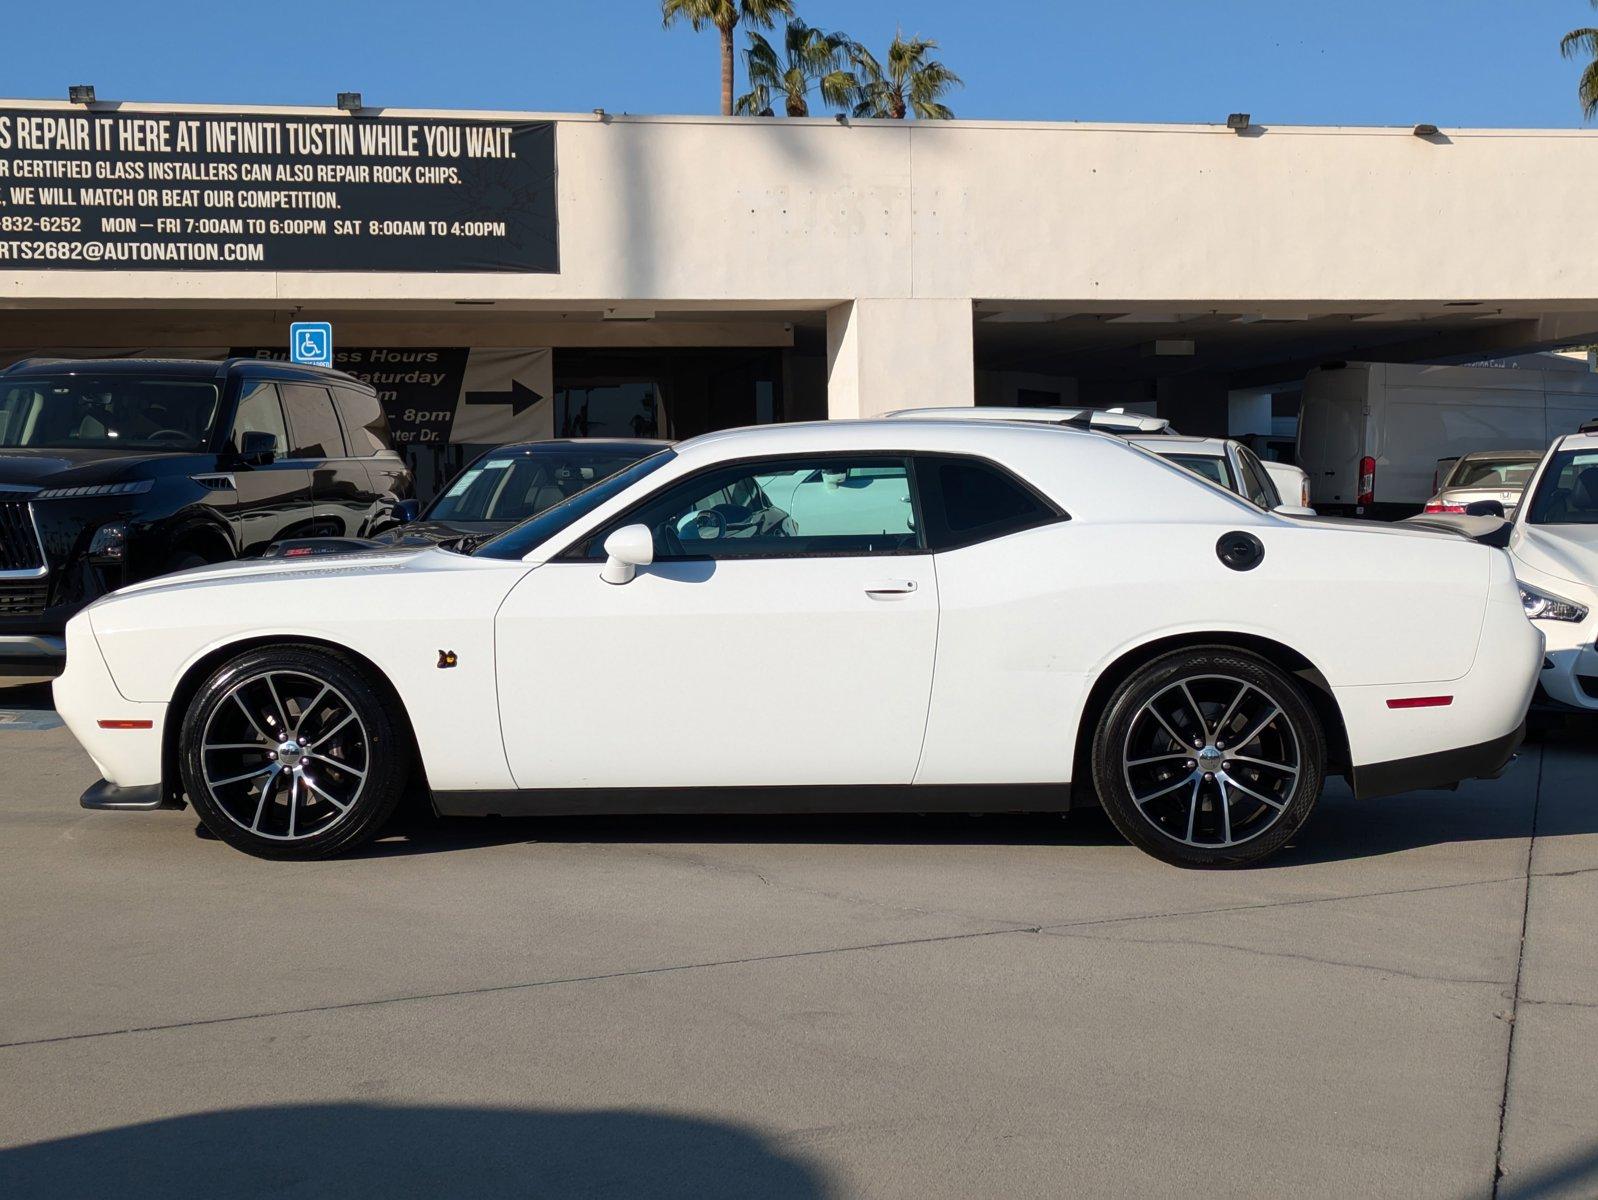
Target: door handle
[{"x": 888, "y": 588}]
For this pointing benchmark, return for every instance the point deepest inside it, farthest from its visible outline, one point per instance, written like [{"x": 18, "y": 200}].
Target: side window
[
  {"x": 791, "y": 508},
  {"x": 365, "y": 426},
  {"x": 968, "y": 501},
  {"x": 260, "y": 412},
  {"x": 312, "y": 422},
  {"x": 1256, "y": 482}
]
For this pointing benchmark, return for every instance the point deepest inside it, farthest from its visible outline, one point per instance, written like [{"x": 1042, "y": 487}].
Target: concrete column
[{"x": 888, "y": 354}]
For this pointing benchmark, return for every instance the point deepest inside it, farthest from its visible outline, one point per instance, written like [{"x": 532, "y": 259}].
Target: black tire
[
  {"x": 291, "y": 733},
  {"x": 1195, "y": 804}
]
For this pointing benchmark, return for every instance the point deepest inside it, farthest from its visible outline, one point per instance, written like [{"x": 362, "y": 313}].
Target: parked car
[
  {"x": 1229, "y": 463},
  {"x": 1237, "y": 469},
  {"x": 1499, "y": 475},
  {"x": 1554, "y": 544},
  {"x": 496, "y": 490},
  {"x": 1369, "y": 433},
  {"x": 839, "y": 616},
  {"x": 116, "y": 470}
]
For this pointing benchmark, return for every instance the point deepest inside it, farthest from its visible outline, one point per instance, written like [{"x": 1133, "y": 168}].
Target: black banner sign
[{"x": 185, "y": 191}]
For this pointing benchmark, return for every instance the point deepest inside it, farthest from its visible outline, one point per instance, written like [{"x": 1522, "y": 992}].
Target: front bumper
[
  {"x": 129, "y": 753},
  {"x": 31, "y": 655}
]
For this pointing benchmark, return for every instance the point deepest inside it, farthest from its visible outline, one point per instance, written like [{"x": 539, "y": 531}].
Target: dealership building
[{"x": 501, "y": 275}]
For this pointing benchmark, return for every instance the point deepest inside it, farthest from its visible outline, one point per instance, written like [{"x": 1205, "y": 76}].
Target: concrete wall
[{"x": 897, "y": 228}]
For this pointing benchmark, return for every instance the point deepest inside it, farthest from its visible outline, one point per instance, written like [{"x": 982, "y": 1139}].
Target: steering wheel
[
  {"x": 707, "y": 524},
  {"x": 168, "y": 435}
]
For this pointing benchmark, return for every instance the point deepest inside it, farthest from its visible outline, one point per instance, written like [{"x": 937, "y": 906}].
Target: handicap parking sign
[{"x": 311, "y": 343}]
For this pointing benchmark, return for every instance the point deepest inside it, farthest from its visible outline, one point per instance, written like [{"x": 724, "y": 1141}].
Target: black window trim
[
  {"x": 928, "y": 491},
  {"x": 581, "y": 549}
]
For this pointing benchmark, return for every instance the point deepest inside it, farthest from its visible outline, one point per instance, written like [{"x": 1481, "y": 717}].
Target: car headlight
[
  {"x": 132, "y": 488},
  {"x": 1540, "y": 606}
]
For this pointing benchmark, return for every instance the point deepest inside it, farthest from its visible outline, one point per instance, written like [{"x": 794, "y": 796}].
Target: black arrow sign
[{"x": 520, "y": 398}]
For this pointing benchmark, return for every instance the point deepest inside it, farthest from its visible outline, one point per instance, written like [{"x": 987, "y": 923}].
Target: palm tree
[
  {"x": 725, "y": 15},
  {"x": 812, "y": 61},
  {"x": 1585, "y": 41},
  {"x": 913, "y": 82}
]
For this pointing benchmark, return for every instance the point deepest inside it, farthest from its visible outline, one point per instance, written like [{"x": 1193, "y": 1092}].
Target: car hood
[
  {"x": 378, "y": 561},
  {"x": 1567, "y": 552},
  {"x": 22, "y": 467}
]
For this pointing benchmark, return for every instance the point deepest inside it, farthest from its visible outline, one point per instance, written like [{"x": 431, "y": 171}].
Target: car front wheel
[
  {"x": 292, "y": 752},
  {"x": 1209, "y": 757}
]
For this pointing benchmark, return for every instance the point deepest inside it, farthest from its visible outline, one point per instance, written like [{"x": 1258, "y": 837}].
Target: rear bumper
[
  {"x": 35, "y": 655},
  {"x": 107, "y": 796},
  {"x": 1444, "y": 769}
]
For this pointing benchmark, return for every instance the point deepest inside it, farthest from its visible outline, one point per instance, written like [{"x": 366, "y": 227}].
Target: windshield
[
  {"x": 1513, "y": 473},
  {"x": 509, "y": 488},
  {"x": 73, "y": 411},
  {"x": 1568, "y": 493},
  {"x": 518, "y": 540}
]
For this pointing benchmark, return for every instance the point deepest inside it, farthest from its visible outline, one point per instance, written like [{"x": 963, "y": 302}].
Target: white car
[
  {"x": 841, "y": 616},
  {"x": 1554, "y": 544},
  {"x": 1237, "y": 469}
]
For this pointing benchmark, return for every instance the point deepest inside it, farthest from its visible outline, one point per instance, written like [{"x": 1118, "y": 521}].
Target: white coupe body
[{"x": 815, "y": 627}]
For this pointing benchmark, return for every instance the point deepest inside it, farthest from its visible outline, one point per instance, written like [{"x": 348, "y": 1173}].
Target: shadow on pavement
[
  {"x": 360, "y": 1151},
  {"x": 1574, "y": 1177}
]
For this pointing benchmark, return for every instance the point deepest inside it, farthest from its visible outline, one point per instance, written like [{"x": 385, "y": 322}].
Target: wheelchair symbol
[{"x": 311, "y": 343}]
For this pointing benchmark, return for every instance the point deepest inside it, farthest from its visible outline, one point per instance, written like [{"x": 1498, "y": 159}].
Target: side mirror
[
  {"x": 406, "y": 511},
  {"x": 257, "y": 447},
  {"x": 1294, "y": 510},
  {"x": 630, "y": 547},
  {"x": 1485, "y": 508}
]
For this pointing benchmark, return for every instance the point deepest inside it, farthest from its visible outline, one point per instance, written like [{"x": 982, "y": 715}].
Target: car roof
[
  {"x": 896, "y": 435},
  {"x": 206, "y": 368},
  {"x": 1531, "y": 454},
  {"x": 544, "y": 445},
  {"x": 1577, "y": 441},
  {"x": 1181, "y": 443},
  {"x": 1096, "y": 418}
]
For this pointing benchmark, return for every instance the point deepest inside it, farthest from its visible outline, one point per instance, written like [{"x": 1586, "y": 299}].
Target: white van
[{"x": 1370, "y": 434}]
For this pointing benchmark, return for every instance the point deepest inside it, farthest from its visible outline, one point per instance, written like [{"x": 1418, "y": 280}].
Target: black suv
[{"x": 116, "y": 470}]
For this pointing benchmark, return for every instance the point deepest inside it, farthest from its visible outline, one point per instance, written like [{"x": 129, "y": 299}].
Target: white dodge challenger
[{"x": 836, "y": 617}]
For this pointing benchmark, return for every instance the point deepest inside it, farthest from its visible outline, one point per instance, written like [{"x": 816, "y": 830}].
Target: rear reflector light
[
  {"x": 1440, "y": 506},
  {"x": 126, "y": 724},
  {"x": 1421, "y": 702},
  {"x": 1367, "y": 480},
  {"x": 298, "y": 552}
]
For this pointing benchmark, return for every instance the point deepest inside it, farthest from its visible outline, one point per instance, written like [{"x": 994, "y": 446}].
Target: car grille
[
  {"x": 23, "y": 599},
  {"x": 19, "y": 544}
]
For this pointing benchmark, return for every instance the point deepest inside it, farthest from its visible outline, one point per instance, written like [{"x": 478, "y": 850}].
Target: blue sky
[{"x": 1383, "y": 62}]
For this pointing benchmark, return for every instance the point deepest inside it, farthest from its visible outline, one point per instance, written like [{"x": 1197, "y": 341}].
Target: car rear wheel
[
  {"x": 293, "y": 752},
  {"x": 1209, "y": 757}
]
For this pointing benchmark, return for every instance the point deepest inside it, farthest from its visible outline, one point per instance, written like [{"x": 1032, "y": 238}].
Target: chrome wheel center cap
[
  {"x": 1209, "y": 758},
  {"x": 290, "y": 753}
]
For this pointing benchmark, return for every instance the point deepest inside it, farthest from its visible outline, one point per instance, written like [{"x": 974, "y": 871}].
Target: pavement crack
[
  {"x": 1513, "y": 1018},
  {"x": 1048, "y": 926},
  {"x": 526, "y": 985},
  {"x": 1284, "y": 954}
]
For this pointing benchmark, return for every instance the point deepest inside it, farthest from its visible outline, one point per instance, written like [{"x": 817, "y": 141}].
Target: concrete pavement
[{"x": 937, "y": 1006}]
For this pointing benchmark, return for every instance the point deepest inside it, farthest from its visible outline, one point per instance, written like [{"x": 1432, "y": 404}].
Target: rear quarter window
[
  {"x": 365, "y": 425},
  {"x": 965, "y": 501}
]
